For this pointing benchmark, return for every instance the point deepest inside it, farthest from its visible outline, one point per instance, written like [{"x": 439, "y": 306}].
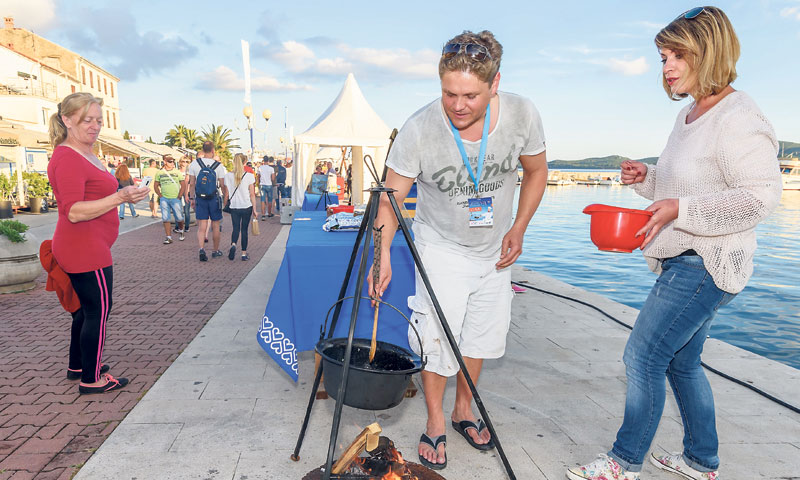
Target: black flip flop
[
  {"x": 433, "y": 442},
  {"x": 464, "y": 425}
]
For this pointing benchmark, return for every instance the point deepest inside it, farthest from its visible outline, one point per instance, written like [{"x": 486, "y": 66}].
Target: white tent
[{"x": 349, "y": 122}]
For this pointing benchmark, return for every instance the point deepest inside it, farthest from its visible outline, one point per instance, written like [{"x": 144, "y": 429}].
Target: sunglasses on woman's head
[
  {"x": 692, "y": 13},
  {"x": 473, "y": 50}
]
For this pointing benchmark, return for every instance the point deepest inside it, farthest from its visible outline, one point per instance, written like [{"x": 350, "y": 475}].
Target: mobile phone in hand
[{"x": 146, "y": 181}]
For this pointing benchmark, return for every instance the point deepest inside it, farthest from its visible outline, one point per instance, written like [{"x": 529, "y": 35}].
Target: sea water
[{"x": 764, "y": 318}]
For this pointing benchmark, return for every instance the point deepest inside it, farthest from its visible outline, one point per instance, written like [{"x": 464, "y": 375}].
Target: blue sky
[{"x": 589, "y": 66}]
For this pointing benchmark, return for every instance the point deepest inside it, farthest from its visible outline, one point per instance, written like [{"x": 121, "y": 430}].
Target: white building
[
  {"x": 35, "y": 75},
  {"x": 41, "y": 70}
]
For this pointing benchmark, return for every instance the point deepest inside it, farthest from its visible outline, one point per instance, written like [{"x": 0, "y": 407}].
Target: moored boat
[{"x": 790, "y": 173}]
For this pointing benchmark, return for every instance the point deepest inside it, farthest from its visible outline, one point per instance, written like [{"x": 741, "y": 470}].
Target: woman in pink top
[{"x": 87, "y": 226}]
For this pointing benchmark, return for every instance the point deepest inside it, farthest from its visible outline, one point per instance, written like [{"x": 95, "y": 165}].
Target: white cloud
[
  {"x": 420, "y": 64},
  {"x": 338, "y": 59},
  {"x": 113, "y": 40},
  {"x": 584, "y": 50},
  {"x": 295, "y": 56},
  {"x": 224, "y": 78},
  {"x": 791, "y": 12},
  {"x": 30, "y": 14},
  {"x": 637, "y": 66},
  {"x": 650, "y": 26},
  {"x": 597, "y": 56}
]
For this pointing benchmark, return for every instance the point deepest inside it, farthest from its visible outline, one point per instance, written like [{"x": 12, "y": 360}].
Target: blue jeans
[
  {"x": 171, "y": 205},
  {"x": 186, "y": 214},
  {"x": 667, "y": 339},
  {"x": 122, "y": 209},
  {"x": 266, "y": 193}
]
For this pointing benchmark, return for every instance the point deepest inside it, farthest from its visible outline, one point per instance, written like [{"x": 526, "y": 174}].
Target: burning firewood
[
  {"x": 383, "y": 461},
  {"x": 367, "y": 439}
]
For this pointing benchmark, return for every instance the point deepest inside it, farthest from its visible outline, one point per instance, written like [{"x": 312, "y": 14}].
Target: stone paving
[
  {"x": 225, "y": 410},
  {"x": 163, "y": 296}
]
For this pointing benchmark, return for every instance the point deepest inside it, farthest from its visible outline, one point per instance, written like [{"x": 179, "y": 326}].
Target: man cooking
[{"x": 463, "y": 151}]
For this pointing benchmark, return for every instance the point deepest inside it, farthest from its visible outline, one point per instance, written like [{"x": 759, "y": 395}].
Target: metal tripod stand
[{"x": 367, "y": 226}]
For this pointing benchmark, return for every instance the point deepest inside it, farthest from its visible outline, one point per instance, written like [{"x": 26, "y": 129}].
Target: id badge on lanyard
[{"x": 481, "y": 213}]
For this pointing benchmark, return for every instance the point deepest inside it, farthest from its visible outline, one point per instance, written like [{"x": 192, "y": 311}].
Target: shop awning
[
  {"x": 158, "y": 149},
  {"x": 123, "y": 148},
  {"x": 10, "y": 136}
]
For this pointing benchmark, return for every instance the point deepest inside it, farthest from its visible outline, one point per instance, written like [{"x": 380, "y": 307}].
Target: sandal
[
  {"x": 76, "y": 374},
  {"x": 464, "y": 425},
  {"x": 111, "y": 384},
  {"x": 434, "y": 443}
]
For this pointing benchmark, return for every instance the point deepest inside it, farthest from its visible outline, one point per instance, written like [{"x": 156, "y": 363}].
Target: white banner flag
[{"x": 246, "y": 60}]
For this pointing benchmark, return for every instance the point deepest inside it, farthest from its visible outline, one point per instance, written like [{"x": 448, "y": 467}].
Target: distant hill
[
  {"x": 612, "y": 162},
  {"x": 789, "y": 149}
]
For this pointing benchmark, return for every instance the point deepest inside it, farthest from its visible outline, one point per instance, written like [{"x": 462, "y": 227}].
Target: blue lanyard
[{"x": 481, "y": 154}]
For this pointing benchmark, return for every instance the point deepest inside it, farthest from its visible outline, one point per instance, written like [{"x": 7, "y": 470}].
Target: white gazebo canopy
[{"x": 348, "y": 122}]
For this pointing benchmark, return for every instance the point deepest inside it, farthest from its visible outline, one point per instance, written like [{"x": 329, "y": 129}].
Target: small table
[{"x": 308, "y": 283}]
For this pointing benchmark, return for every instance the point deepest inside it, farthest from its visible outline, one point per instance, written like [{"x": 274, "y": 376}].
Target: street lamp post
[{"x": 248, "y": 113}]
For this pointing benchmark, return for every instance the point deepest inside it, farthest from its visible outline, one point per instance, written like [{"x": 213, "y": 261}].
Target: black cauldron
[{"x": 375, "y": 385}]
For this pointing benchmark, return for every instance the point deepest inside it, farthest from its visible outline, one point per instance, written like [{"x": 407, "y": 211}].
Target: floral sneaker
[
  {"x": 676, "y": 464},
  {"x": 604, "y": 468}
]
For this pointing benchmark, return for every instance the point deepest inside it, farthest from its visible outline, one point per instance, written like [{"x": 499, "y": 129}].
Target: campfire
[{"x": 382, "y": 461}]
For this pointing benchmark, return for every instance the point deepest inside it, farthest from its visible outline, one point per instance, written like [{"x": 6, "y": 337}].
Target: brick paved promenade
[{"x": 162, "y": 297}]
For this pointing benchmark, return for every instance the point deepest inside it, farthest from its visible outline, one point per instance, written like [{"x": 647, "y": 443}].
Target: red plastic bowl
[
  {"x": 613, "y": 228},
  {"x": 341, "y": 208}
]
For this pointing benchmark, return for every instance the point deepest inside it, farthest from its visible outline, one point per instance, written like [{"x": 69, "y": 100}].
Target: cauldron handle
[{"x": 419, "y": 339}]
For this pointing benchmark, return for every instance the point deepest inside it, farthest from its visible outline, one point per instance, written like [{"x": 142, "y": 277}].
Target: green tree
[
  {"x": 189, "y": 136},
  {"x": 126, "y": 135},
  {"x": 220, "y": 137},
  {"x": 149, "y": 140}
]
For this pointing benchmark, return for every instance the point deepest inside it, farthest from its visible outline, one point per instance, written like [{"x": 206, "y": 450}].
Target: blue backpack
[{"x": 206, "y": 182}]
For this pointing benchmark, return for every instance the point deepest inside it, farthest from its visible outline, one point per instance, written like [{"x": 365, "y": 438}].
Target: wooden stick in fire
[{"x": 376, "y": 275}]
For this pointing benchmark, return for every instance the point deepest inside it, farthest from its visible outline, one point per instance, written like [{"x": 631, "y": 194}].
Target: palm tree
[
  {"x": 220, "y": 137},
  {"x": 180, "y": 136}
]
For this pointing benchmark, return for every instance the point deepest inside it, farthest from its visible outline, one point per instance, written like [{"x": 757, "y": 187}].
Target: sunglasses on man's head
[
  {"x": 692, "y": 13},
  {"x": 473, "y": 50}
]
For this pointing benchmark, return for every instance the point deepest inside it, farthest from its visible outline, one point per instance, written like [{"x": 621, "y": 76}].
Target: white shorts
[{"x": 476, "y": 300}]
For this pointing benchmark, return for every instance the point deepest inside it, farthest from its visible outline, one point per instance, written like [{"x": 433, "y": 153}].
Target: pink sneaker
[
  {"x": 604, "y": 468},
  {"x": 676, "y": 464}
]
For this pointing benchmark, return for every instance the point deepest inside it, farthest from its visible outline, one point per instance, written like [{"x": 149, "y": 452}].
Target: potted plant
[
  {"x": 38, "y": 189},
  {"x": 19, "y": 257},
  {"x": 6, "y": 187}
]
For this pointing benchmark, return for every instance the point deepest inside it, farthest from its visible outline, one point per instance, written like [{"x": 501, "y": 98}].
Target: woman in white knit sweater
[{"x": 716, "y": 179}]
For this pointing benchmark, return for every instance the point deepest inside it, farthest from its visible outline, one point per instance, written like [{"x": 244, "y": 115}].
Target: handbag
[
  {"x": 227, "y": 207},
  {"x": 254, "y": 228}
]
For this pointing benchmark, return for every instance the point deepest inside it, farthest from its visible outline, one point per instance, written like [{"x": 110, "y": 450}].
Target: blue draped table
[{"x": 308, "y": 284}]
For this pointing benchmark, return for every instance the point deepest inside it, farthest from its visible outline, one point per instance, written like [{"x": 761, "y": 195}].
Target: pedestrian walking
[
  {"x": 280, "y": 184},
  {"x": 124, "y": 179},
  {"x": 716, "y": 179},
  {"x": 151, "y": 171},
  {"x": 266, "y": 175},
  {"x": 87, "y": 226},
  {"x": 242, "y": 198},
  {"x": 183, "y": 165},
  {"x": 206, "y": 179},
  {"x": 170, "y": 188}
]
